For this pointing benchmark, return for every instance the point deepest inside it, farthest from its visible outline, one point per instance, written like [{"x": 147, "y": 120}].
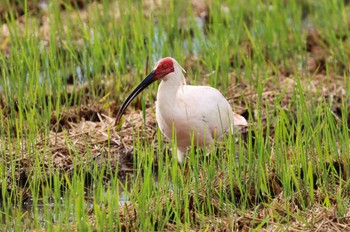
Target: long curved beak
[{"x": 146, "y": 82}]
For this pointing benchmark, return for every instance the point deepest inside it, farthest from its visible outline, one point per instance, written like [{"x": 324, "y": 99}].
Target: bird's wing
[{"x": 205, "y": 106}]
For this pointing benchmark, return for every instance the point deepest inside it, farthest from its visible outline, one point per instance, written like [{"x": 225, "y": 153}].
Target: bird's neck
[{"x": 170, "y": 85}]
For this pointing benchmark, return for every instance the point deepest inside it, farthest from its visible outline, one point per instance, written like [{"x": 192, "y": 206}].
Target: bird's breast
[{"x": 164, "y": 119}]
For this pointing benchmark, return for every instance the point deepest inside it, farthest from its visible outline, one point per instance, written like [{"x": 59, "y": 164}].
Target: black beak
[{"x": 146, "y": 82}]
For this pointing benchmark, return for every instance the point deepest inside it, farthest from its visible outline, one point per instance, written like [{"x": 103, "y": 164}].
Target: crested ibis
[{"x": 194, "y": 112}]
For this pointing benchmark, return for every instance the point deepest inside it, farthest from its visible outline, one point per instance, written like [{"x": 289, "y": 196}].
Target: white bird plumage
[{"x": 200, "y": 113}]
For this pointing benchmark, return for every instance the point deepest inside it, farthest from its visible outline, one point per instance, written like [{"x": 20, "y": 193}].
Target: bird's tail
[{"x": 238, "y": 120}]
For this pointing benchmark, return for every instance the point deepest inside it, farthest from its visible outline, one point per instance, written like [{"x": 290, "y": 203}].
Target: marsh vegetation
[{"x": 66, "y": 66}]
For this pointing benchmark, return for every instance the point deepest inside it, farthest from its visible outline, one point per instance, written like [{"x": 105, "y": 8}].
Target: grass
[{"x": 66, "y": 66}]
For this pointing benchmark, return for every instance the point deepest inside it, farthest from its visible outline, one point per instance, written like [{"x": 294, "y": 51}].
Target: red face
[{"x": 163, "y": 68}]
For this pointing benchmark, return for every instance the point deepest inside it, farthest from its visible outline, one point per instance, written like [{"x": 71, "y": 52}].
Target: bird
[{"x": 193, "y": 114}]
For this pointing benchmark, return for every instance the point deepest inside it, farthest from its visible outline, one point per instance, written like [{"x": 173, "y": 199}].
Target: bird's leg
[
  {"x": 181, "y": 152},
  {"x": 185, "y": 166}
]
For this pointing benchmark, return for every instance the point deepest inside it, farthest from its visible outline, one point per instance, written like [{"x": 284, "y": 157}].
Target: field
[{"x": 67, "y": 65}]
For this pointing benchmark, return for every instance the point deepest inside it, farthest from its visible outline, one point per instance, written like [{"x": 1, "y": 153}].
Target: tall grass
[{"x": 301, "y": 143}]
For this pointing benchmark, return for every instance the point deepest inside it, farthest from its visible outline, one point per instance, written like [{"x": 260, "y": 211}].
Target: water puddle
[{"x": 46, "y": 208}]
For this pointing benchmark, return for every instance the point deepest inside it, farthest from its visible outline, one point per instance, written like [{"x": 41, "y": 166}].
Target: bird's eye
[{"x": 164, "y": 66}]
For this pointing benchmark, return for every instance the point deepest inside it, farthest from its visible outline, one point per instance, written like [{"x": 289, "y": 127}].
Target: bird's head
[{"x": 163, "y": 67}]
